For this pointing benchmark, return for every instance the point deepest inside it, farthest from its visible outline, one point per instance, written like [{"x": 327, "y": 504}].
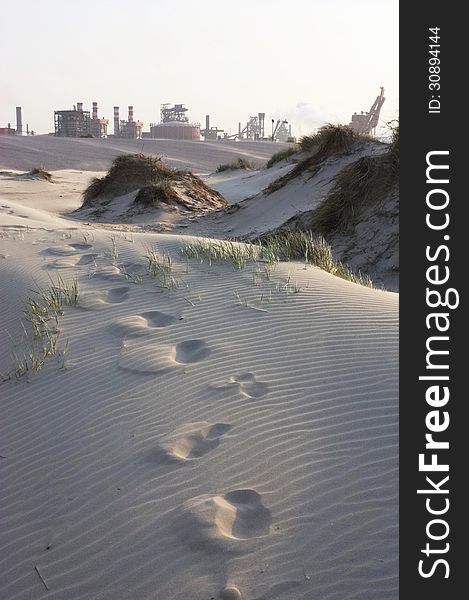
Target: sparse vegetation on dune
[
  {"x": 274, "y": 248},
  {"x": 285, "y": 154},
  {"x": 331, "y": 139},
  {"x": 39, "y": 173},
  {"x": 328, "y": 141},
  {"x": 238, "y": 163},
  {"x": 157, "y": 183},
  {"x": 310, "y": 248},
  {"x": 41, "y": 329},
  {"x": 364, "y": 182},
  {"x": 219, "y": 251},
  {"x": 128, "y": 172},
  {"x": 157, "y": 194}
]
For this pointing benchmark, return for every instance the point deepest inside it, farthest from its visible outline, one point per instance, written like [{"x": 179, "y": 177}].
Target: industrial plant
[
  {"x": 80, "y": 123},
  {"x": 130, "y": 129},
  {"x": 174, "y": 124}
]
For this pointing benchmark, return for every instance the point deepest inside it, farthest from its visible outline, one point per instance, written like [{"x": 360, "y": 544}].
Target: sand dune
[
  {"x": 210, "y": 433},
  {"x": 53, "y": 153}
]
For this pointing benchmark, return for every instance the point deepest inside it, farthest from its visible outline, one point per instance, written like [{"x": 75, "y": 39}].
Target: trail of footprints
[
  {"x": 205, "y": 520},
  {"x": 210, "y": 520}
]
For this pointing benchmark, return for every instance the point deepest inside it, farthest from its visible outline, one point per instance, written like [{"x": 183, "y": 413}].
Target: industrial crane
[{"x": 366, "y": 123}]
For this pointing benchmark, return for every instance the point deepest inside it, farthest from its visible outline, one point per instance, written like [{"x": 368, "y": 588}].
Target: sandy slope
[
  {"x": 235, "y": 429},
  {"x": 53, "y": 153}
]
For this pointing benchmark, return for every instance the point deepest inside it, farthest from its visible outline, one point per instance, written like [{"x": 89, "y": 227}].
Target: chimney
[
  {"x": 19, "y": 121},
  {"x": 80, "y": 106},
  {"x": 131, "y": 114},
  {"x": 95, "y": 110},
  {"x": 116, "y": 121},
  {"x": 207, "y": 125}
]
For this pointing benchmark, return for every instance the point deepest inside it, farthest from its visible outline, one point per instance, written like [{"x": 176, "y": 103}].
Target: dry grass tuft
[
  {"x": 329, "y": 140},
  {"x": 152, "y": 196},
  {"x": 366, "y": 181},
  {"x": 128, "y": 172},
  {"x": 39, "y": 173},
  {"x": 238, "y": 163},
  {"x": 285, "y": 154}
]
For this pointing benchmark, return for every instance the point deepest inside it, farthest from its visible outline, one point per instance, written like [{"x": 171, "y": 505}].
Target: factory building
[
  {"x": 98, "y": 127},
  {"x": 80, "y": 123},
  {"x": 175, "y": 125},
  {"x": 129, "y": 129},
  {"x": 73, "y": 123}
]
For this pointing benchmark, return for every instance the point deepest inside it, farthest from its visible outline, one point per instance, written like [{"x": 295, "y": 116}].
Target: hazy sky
[{"x": 309, "y": 61}]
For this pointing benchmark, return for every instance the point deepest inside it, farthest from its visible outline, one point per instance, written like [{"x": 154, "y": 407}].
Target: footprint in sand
[
  {"x": 71, "y": 261},
  {"x": 109, "y": 273},
  {"x": 68, "y": 250},
  {"x": 95, "y": 300},
  {"x": 87, "y": 259},
  {"x": 142, "y": 324},
  {"x": 246, "y": 383},
  {"x": 191, "y": 351},
  {"x": 224, "y": 519},
  {"x": 62, "y": 263},
  {"x": 189, "y": 442},
  {"x": 81, "y": 247},
  {"x": 152, "y": 357}
]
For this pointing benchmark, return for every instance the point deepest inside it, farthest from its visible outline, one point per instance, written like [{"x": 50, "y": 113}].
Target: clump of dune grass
[
  {"x": 271, "y": 249},
  {"x": 238, "y": 163},
  {"x": 219, "y": 251},
  {"x": 361, "y": 184},
  {"x": 285, "y": 154},
  {"x": 41, "y": 332},
  {"x": 155, "y": 182},
  {"x": 313, "y": 249},
  {"x": 329, "y": 140},
  {"x": 39, "y": 173},
  {"x": 152, "y": 196},
  {"x": 128, "y": 172},
  {"x": 158, "y": 264}
]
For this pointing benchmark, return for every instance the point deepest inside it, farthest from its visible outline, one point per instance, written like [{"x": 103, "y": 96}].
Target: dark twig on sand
[{"x": 41, "y": 577}]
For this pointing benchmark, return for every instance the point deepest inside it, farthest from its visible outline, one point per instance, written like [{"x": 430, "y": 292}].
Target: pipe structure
[
  {"x": 116, "y": 121},
  {"x": 19, "y": 121}
]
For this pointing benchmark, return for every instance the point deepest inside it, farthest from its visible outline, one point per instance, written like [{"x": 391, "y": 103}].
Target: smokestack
[
  {"x": 80, "y": 106},
  {"x": 261, "y": 117},
  {"x": 116, "y": 121},
  {"x": 207, "y": 125},
  {"x": 19, "y": 121},
  {"x": 131, "y": 114},
  {"x": 95, "y": 110}
]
